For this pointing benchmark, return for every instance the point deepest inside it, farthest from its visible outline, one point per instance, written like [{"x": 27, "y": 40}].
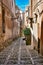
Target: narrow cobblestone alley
[
  {"x": 21, "y": 32},
  {"x": 19, "y": 54}
]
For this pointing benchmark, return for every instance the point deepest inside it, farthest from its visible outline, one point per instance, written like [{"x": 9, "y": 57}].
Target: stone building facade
[
  {"x": 35, "y": 19},
  {"x": 8, "y": 21},
  {"x": 37, "y": 24}
]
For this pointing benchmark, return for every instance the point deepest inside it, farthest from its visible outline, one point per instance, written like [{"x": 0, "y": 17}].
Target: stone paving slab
[
  {"x": 19, "y": 54},
  {"x": 37, "y": 59}
]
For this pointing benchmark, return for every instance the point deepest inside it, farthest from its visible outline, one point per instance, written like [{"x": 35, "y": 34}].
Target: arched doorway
[
  {"x": 3, "y": 19},
  {"x": 41, "y": 42}
]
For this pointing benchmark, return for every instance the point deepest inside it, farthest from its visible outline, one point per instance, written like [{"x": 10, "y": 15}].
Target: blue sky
[{"x": 22, "y": 4}]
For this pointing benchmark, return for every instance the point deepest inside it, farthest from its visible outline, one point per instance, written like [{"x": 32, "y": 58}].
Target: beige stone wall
[
  {"x": 11, "y": 26},
  {"x": 10, "y": 4},
  {"x": 8, "y": 27},
  {"x": 38, "y": 8}
]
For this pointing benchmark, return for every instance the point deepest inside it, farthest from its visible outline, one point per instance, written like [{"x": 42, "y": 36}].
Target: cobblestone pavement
[{"x": 19, "y": 54}]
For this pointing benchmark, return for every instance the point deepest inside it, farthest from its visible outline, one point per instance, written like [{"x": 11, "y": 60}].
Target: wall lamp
[{"x": 31, "y": 20}]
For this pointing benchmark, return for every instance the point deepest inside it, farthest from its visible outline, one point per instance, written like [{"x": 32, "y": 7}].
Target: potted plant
[{"x": 27, "y": 34}]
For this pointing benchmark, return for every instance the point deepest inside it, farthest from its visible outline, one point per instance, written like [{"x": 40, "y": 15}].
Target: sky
[{"x": 22, "y": 4}]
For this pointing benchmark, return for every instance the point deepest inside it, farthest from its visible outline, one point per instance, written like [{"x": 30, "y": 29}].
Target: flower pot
[{"x": 27, "y": 33}]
